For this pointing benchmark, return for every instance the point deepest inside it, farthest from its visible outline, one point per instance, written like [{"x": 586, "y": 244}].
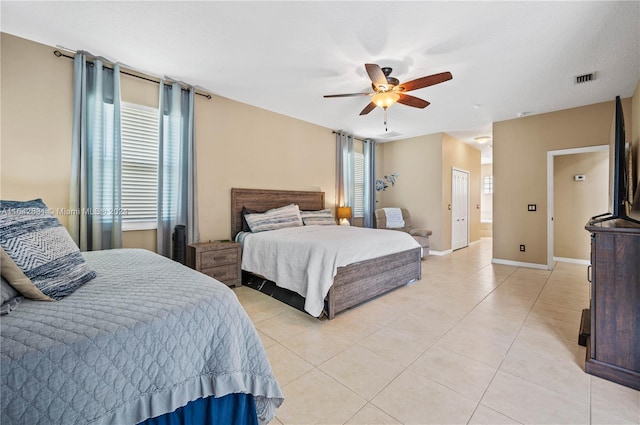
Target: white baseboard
[
  {"x": 449, "y": 251},
  {"x": 519, "y": 264},
  {"x": 440, "y": 253},
  {"x": 572, "y": 260}
]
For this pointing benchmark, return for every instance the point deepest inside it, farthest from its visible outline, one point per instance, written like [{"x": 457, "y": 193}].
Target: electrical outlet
[
  {"x": 532, "y": 207},
  {"x": 521, "y": 248}
]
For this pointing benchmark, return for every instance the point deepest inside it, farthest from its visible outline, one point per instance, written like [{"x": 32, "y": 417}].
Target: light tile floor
[{"x": 470, "y": 343}]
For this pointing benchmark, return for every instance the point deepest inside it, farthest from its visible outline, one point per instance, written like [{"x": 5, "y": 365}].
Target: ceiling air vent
[{"x": 585, "y": 78}]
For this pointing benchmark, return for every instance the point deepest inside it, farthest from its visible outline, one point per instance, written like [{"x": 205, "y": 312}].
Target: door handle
[{"x": 589, "y": 272}]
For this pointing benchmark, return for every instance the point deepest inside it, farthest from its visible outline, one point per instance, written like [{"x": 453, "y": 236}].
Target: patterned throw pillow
[
  {"x": 277, "y": 218},
  {"x": 318, "y": 218},
  {"x": 45, "y": 252}
]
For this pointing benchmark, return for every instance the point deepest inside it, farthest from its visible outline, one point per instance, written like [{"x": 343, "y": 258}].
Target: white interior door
[{"x": 459, "y": 209}]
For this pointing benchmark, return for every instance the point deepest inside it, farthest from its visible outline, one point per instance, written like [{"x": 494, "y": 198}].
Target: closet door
[{"x": 459, "y": 209}]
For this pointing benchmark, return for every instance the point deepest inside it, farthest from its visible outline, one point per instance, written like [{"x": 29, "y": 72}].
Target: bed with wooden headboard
[{"x": 353, "y": 284}]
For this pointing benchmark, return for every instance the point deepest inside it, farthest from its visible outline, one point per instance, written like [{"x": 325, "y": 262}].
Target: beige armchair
[{"x": 420, "y": 235}]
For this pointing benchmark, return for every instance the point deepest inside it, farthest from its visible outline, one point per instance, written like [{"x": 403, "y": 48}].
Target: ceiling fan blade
[
  {"x": 377, "y": 76},
  {"x": 347, "y": 95},
  {"x": 409, "y": 100},
  {"x": 427, "y": 81},
  {"x": 370, "y": 107}
]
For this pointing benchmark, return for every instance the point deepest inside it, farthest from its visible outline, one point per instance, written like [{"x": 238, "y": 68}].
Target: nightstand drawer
[
  {"x": 222, "y": 273},
  {"x": 218, "y": 257}
]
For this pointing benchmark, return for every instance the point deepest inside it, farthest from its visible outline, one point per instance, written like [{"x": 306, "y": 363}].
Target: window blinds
[
  {"x": 139, "y": 166},
  {"x": 358, "y": 208}
]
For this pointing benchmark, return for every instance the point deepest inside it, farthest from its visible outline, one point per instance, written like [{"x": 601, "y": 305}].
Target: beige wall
[
  {"x": 418, "y": 161},
  {"x": 237, "y": 145},
  {"x": 243, "y": 146},
  {"x": 520, "y": 172},
  {"x": 37, "y": 94},
  {"x": 424, "y": 187},
  {"x": 576, "y": 201},
  {"x": 486, "y": 230}
]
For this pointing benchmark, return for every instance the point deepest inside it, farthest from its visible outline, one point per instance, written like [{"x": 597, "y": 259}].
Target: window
[
  {"x": 358, "y": 208},
  {"x": 487, "y": 185},
  {"x": 139, "y": 167}
]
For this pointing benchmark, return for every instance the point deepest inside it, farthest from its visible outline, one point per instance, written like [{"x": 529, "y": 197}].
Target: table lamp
[{"x": 344, "y": 214}]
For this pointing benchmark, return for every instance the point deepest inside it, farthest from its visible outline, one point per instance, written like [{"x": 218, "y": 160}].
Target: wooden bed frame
[{"x": 354, "y": 283}]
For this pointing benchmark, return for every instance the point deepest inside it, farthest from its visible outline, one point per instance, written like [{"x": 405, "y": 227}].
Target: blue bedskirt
[{"x": 232, "y": 409}]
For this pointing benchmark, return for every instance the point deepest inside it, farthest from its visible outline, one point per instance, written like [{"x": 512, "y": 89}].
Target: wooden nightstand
[{"x": 220, "y": 260}]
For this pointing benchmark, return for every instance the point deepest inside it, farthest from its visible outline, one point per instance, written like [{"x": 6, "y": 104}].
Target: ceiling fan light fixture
[{"x": 385, "y": 99}]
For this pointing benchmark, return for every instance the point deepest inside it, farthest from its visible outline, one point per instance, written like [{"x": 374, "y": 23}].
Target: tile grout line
[
  {"x": 508, "y": 350},
  {"x": 535, "y": 302},
  {"x": 442, "y": 336},
  {"x": 511, "y": 345}
]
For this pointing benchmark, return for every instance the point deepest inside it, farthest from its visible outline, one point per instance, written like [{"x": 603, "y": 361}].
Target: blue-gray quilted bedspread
[{"x": 143, "y": 338}]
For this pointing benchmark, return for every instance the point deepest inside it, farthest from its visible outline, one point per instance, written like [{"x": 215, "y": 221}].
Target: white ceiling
[{"x": 506, "y": 57}]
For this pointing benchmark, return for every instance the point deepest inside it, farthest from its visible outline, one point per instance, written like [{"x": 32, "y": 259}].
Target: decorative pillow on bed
[
  {"x": 320, "y": 217},
  {"x": 38, "y": 244},
  {"x": 277, "y": 218},
  {"x": 10, "y": 297}
]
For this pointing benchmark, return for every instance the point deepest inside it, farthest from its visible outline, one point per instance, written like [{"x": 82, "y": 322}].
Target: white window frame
[
  {"x": 487, "y": 185},
  {"x": 140, "y": 147}
]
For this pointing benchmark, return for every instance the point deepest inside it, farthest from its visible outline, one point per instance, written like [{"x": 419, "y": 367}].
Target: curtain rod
[
  {"x": 59, "y": 54},
  {"x": 355, "y": 138}
]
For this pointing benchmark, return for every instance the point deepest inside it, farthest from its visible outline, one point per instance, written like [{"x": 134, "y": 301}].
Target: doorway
[
  {"x": 566, "y": 205},
  {"x": 459, "y": 208}
]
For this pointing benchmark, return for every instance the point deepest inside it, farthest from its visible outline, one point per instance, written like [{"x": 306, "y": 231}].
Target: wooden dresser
[
  {"x": 220, "y": 260},
  {"x": 613, "y": 346}
]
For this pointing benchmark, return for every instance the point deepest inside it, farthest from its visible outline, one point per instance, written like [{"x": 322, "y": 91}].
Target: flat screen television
[{"x": 622, "y": 184}]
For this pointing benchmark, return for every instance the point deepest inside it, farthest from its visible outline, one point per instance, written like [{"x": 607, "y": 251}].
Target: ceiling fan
[{"x": 388, "y": 90}]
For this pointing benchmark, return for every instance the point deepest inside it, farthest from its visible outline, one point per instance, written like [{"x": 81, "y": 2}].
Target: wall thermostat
[{"x": 579, "y": 177}]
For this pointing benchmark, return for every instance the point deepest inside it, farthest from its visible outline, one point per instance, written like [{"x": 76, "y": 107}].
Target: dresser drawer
[{"x": 218, "y": 257}]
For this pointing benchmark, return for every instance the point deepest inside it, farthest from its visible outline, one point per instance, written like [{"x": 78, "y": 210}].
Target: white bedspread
[{"x": 306, "y": 259}]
